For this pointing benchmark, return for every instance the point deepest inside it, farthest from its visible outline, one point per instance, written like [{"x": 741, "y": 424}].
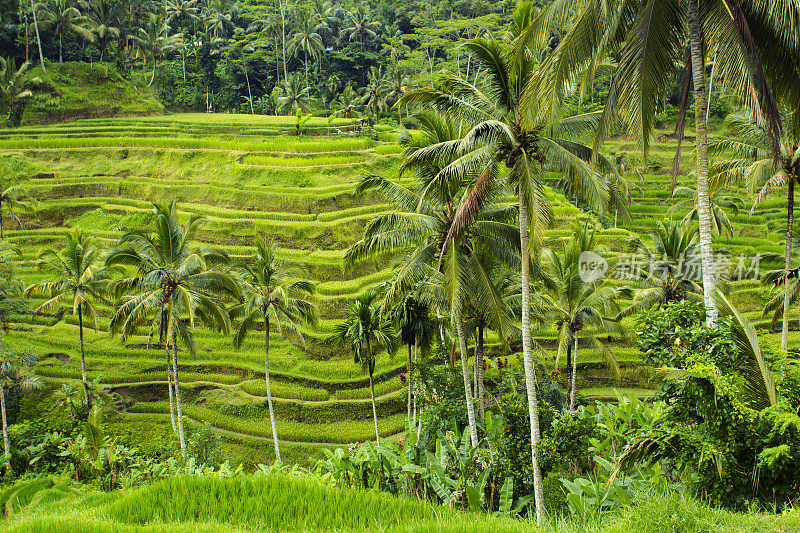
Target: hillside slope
[
  {"x": 76, "y": 90},
  {"x": 250, "y": 179}
]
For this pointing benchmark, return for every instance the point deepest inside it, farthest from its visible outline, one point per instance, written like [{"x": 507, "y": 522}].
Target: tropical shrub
[{"x": 668, "y": 335}]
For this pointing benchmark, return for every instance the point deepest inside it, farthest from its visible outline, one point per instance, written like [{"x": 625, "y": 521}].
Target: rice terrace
[{"x": 348, "y": 265}]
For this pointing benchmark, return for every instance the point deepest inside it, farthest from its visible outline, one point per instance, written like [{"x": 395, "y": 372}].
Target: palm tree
[
  {"x": 176, "y": 284},
  {"x": 15, "y": 88},
  {"x": 274, "y": 292},
  {"x": 361, "y": 28},
  {"x": 154, "y": 41},
  {"x": 38, "y": 39},
  {"x": 103, "y": 17},
  {"x": 306, "y": 39},
  {"x": 653, "y": 42},
  {"x": 375, "y": 91},
  {"x": 345, "y": 105},
  {"x": 504, "y": 131},
  {"x": 79, "y": 278},
  {"x": 295, "y": 96},
  {"x": 668, "y": 268},
  {"x": 64, "y": 16},
  {"x": 720, "y": 202},
  {"x": 13, "y": 198},
  {"x": 16, "y": 372},
  {"x": 11, "y": 303},
  {"x": 753, "y": 163},
  {"x": 421, "y": 223},
  {"x": 499, "y": 316},
  {"x": 182, "y": 10},
  {"x": 578, "y": 304},
  {"x": 396, "y": 86},
  {"x": 218, "y": 24},
  {"x": 412, "y": 318},
  {"x": 365, "y": 332}
]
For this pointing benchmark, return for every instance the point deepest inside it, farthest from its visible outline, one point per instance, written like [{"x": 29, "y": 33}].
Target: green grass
[{"x": 248, "y": 503}]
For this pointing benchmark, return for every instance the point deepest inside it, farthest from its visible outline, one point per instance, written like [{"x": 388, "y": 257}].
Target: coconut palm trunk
[
  {"x": 27, "y": 40},
  {"x": 527, "y": 356},
  {"x": 475, "y": 368},
  {"x": 162, "y": 337},
  {"x": 479, "y": 363},
  {"x": 269, "y": 389},
  {"x": 83, "y": 357},
  {"x": 305, "y": 57},
  {"x": 414, "y": 381},
  {"x": 787, "y": 265},
  {"x": 282, "y": 8},
  {"x": 38, "y": 39},
  {"x": 249, "y": 92},
  {"x": 462, "y": 345},
  {"x": 371, "y": 368},
  {"x": 573, "y": 379},
  {"x": 703, "y": 193},
  {"x": 170, "y": 390},
  {"x": 60, "y": 47},
  {"x": 409, "y": 383},
  {"x": 6, "y": 445},
  {"x": 153, "y": 77},
  {"x": 2, "y": 233},
  {"x": 176, "y": 382}
]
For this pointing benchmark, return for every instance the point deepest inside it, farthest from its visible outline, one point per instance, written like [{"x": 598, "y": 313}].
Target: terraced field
[{"x": 250, "y": 178}]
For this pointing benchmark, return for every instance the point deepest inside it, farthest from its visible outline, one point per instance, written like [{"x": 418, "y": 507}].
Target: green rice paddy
[{"x": 250, "y": 179}]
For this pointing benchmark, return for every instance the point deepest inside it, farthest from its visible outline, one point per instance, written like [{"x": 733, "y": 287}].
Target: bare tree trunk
[
  {"x": 462, "y": 345},
  {"x": 38, "y": 39},
  {"x": 703, "y": 193},
  {"x": 573, "y": 379},
  {"x": 527, "y": 357},
  {"x": 178, "y": 403},
  {"x": 269, "y": 389},
  {"x": 83, "y": 357},
  {"x": 2, "y": 233},
  {"x": 787, "y": 265}
]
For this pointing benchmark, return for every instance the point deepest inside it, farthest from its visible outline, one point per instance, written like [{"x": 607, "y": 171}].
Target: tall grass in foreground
[
  {"x": 279, "y": 502},
  {"x": 286, "y": 503}
]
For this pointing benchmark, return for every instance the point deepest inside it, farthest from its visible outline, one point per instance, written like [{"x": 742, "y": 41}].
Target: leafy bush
[
  {"x": 669, "y": 335},
  {"x": 205, "y": 446}
]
